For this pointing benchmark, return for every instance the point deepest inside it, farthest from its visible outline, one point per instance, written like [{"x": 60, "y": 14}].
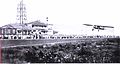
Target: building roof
[
  {"x": 38, "y": 23},
  {"x": 18, "y": 26},
  {"x": 25, "y": 26}
]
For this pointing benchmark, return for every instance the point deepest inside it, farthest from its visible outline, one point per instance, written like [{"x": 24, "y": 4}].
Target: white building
[{"x": 32, "y": 30}]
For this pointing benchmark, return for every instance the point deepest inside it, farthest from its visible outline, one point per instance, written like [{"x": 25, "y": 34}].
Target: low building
[{"x": 32, "y": 30}]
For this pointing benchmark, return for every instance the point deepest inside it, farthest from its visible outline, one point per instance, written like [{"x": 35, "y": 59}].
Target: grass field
[{"x": 79, "y": 51}]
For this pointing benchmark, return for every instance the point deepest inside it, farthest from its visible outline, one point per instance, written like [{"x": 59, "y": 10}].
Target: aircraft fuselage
[{"x": 98, "y": 27}]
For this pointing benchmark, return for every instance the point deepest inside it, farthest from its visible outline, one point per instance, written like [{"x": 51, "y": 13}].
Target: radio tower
[{"x": 21, "y": 12}]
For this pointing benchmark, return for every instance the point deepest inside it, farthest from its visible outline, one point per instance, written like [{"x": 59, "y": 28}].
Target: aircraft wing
[
  {"x": 88, "y": 24},
  {"x": 99, "y": 26},
  {"x": 107, "y": 26},
  {"x": 104, "y": 26}
]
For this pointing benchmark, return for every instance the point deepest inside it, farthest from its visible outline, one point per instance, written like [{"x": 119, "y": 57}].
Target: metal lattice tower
[{"x": 21, "y": 12}]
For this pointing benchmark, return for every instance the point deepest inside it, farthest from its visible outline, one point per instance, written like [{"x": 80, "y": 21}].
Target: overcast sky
[{"x": 67, "y": 15}]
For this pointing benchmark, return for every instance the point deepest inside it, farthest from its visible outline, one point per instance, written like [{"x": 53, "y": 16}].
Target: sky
[{"x": 67, "y": 16}]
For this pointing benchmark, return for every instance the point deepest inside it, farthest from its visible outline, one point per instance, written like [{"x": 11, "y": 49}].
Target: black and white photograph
[{"x": 59, "y": 31}]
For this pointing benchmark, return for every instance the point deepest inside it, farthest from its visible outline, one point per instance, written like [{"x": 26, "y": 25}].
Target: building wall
[{"x": 7, "y": 31}]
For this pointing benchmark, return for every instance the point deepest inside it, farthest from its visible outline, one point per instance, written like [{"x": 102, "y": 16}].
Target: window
[
  {"x": 1, "y": 31},
  {"x": 19, "y": 31},
  {"x": 34, "y": 30},
  {"x": 29, "y": 32},
  {"x": 32, "y": 25},
  {"x": 14, "y": 31},
  {"x": 25, "y": 32},
  {"x": 9, "y": 31}
]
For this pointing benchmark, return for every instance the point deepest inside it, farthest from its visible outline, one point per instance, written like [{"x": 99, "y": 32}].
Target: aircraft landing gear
[
  {"x": 98, "y": 30},
  {"x": 92, "y": 29}
]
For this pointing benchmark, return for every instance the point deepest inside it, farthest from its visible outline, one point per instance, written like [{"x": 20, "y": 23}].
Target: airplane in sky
[{"x": 98, "y": 27}]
